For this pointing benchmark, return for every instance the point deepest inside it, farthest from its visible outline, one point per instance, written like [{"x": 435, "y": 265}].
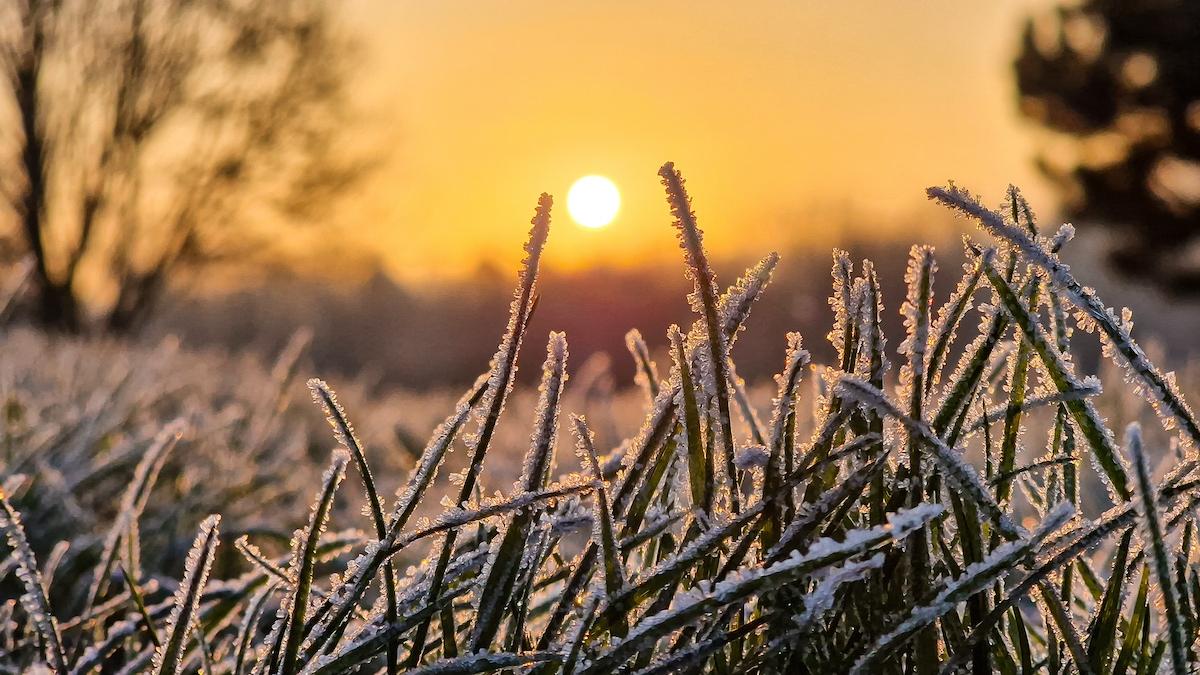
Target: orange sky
[{"x": 777, "y": 112}]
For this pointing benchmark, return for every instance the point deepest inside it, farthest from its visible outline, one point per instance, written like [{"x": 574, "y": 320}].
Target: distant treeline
[{"x": 444, "y": 334}]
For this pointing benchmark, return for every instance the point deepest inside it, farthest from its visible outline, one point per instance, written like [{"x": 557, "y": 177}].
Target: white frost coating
[
  {"x": 535, "y": 469},
  {"x": 734, "y": 306},
  {"x": 1161, "y": 392},
  {"x": 613, "y": 461},
  {"x": 1066, "y": 232},
  {"x": 645, "y": 374},
  {"x": 974, "y": 578},
  {"x": 783, "y": 405},
  {"x": 34, "y": 599},
  {"x": 949, "y": 315},
  {"x": 904, "y": 523},
  {"x": 706, "y": 596},
  {"x": 482, "y": 662},
  {"x": 873, "y": 354},
  {"x": 844, "y": 302},
  {"x": 957, "y": 469},
  {"x": 918, "y": 278},
  {"x": 820, "y": 600},
  {"x": 187, "y": 597},
  {"x": 750, "y": 457}
]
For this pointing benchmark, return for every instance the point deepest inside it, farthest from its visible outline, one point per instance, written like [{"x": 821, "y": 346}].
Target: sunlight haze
[{"x": 781, "y": 116}]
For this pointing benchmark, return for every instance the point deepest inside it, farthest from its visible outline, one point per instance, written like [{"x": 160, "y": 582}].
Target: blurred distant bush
[{"x": 1118, "y": 84}]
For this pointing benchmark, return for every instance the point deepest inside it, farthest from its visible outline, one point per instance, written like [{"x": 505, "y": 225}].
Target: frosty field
[{"x": 956, "y": 498}]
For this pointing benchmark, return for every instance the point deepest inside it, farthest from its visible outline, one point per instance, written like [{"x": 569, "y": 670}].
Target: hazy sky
[{"x": 779, "y": 114}]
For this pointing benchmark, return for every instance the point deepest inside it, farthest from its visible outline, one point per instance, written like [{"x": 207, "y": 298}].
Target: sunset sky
[{"x": 783, "y": 116}]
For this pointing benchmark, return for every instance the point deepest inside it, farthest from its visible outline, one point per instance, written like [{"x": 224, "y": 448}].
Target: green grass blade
[
  {"x": 700, "y": 478},
  {"x": 344, "y": 432},
  {"x": 705, "y": 304},
  {"x": 1102, "y": 638},
  {"x": 169, "y": 656},
  {"x": 1098, "y": 436},
  {"x": 304, "y": 560},
  {"x": 1161, "y": 389},
  {"x": 139, "y": 603},
  {"x": 503, "y": 567},
  {"x": 1176, "y": 634}
]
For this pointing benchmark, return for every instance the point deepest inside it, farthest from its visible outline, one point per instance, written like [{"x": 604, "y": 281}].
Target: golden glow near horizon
[
  {"x": 593, "y": 201},
  {"x": 788, "y": 119}
]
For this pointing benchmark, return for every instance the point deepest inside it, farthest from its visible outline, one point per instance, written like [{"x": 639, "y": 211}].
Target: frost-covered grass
[{"x": 927, "y": 515}]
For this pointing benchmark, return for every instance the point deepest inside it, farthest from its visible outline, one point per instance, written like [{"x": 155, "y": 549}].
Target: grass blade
[
  {"x": 344, "y": 432},
  {"x": 1177, "y": 637},
  {"x": 705, "y": 304},
  {"x": 504, "y": 565},
  {"x": 169, "y": 656},
  {"x": 34, "y": 599},
  {"x": 304, "y": 560}
]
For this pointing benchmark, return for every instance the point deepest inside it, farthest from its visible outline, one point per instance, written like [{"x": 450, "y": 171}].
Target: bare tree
[{"x": 148, "y": 137}]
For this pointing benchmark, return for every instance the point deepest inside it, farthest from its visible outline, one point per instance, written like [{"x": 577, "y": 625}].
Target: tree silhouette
[
  {"x": 1117, "y": 82},
  {"x": 150, "y": 137}
]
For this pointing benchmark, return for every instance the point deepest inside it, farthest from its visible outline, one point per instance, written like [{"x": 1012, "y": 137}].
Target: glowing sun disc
[{"x": 593, "y": 201}]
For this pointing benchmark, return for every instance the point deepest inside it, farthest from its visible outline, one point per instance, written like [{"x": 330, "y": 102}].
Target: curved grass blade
[
  {"x": 133, "y": 502},
  {"x": 34, "y": 599},
  {"x": 304, "y": 560},
  {"x": 344, "y": 432},
  {"x": 169, "y": 656}
]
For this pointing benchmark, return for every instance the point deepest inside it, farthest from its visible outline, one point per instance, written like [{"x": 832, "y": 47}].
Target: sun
[{"x": 593, "y": 201}]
